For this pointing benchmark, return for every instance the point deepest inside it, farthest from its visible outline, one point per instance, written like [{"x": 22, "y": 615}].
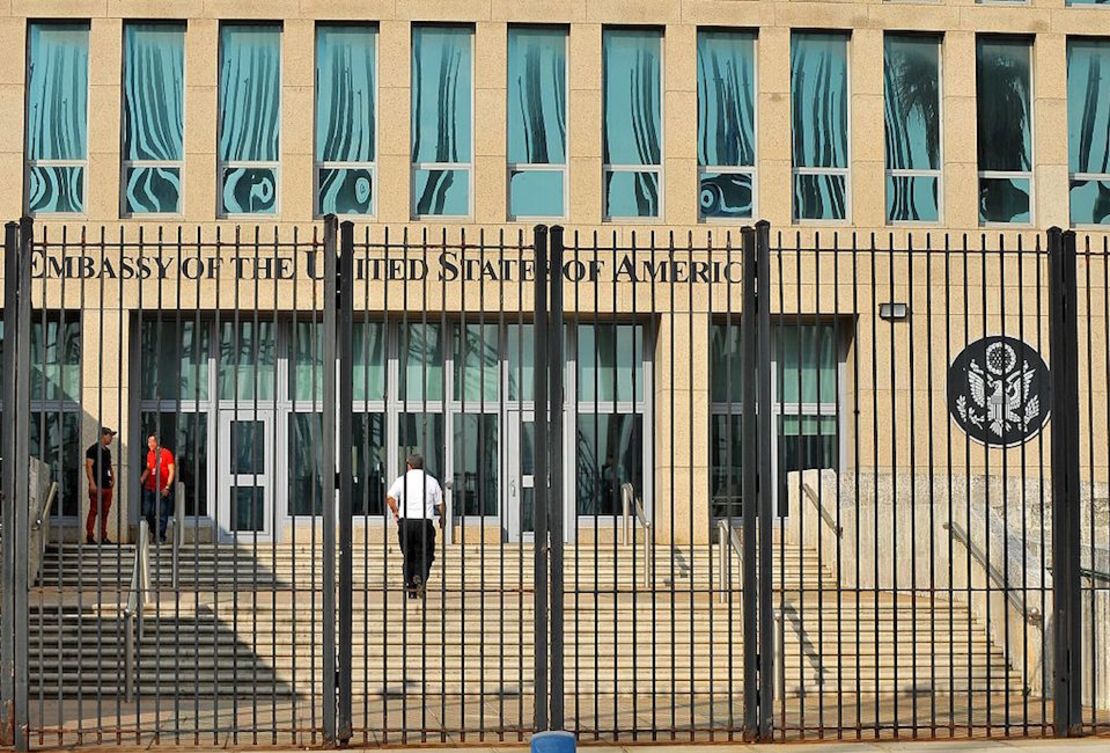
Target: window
[
  {"x": 57, "y": 117},
  {"x": 55, "y": 418},
  {"x": 442, "y": 90},
  {"x": 537, "y": 122},
  {"x": 819, "y": 105},
  {"x": 804, "y": 403},
  {"x": 632, "y": 123},
  {"x": 153, "y": 117},
  {"x": 250, "y": 112},
  {"x": 1089, "y": 130},
  {"x": 1005, "y": 115},
  {"x": 346, "y": 112},
  {"x": 912, "y": 110},
  {"x": 1088, "y": 2},
  {"x": 726, "y": 124},
  {"x": 609, "y": 420}
]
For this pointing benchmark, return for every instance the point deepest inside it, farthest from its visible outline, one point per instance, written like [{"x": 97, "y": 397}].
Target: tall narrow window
[
  {"x": 250, "y": 124},
  {"x": 537, "y": 122},
  {"x": 346, "y": 105},
  {"x": 1089, "y": 130},
  {"x": 153, "y": 122},
  {"x": 442, "y": 92},
  {"x": 57, "y": 117},
  {"x": 1005, "y": 113},
  {"x": 912, "y": 114},
  {"x": 632, "y": 123},
  {"x": 819, "y": 112},
  {"x": 726, "y": 124}
]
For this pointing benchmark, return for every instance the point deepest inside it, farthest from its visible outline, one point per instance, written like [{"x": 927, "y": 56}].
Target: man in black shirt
[{"x": 98, "y": 470}]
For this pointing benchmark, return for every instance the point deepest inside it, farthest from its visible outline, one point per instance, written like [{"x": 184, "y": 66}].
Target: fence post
[
  {"x": 1067, "y": 604},
  {"x": 555, "y": 506},
  {"x": 345, "y": 345},
  {"x": 748, "y": 471},
  {"x": 328, "y": 474},
  {"x": 765, "y": 483},
  {"x": 7, "y": 451},
  {"x": 541, "y": 477}
]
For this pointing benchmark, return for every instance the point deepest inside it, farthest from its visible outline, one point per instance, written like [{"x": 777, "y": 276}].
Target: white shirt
[{"x": 408, "y": 489}]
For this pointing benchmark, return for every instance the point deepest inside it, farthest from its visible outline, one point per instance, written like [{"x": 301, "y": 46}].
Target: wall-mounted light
[{"x": 893, "y": 312}]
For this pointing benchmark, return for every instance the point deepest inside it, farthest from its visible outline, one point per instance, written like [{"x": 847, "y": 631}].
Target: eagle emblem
[{"x": 999, "y": 391}]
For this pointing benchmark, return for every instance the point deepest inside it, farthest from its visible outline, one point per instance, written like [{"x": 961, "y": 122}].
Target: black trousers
[{"x": 418, "y": 544}]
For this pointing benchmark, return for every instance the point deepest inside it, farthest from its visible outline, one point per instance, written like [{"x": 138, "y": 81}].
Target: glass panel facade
[
  {"x": 725, "y": 480},
  {"x": 422, "y": 433},
  {"x": 537, "y": 127},
  {"x": 476, "y": 464},
  {"x": 368, "y": 443},
  {"x": 55, "y": 439},
  {"x": 346, "y": 102},
  {"x": 305, "y": 459},
  {"x": 57, "y": 117},
  {"x": 808, "y": 359},
  {"x": 174, "y": 360},
  {"x": 610, "y": 363},
  {"x": 819, "y": 115},
  {"x": 422, "y": 355},
  {"x": 442, "y": 92},
  {"x": 610, "y": 453},
  {"x": 632, "y": 127},
  {"x": 521, "y": 353},
  {"x": 306, "y": 367},
  {"x": 247, "y": 362},
  {"x": 1089, "y": 130},
  {"x": 55, "y": 357},
  {"x": 153, "y": 117},
  {"x": 249, "y": 118},
  {"x": 369, "y": 361},
  {"x": 477, "y": 358},
  {"x": 724, "y": 355},
  {"x": 911, "y": 73},
  {"x": 805, "y": 442},
  {"x": 1005, "y": 123},
  {"x": 726, "y": 123}
]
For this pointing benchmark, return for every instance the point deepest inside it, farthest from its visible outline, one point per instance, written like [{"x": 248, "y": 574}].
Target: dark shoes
[
  {"x": 104, "y": 540},
  {"x": 417, "y": 589}
]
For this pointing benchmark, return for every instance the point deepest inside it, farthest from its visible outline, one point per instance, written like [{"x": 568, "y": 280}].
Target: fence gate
[{"x": 701, "y": 486}]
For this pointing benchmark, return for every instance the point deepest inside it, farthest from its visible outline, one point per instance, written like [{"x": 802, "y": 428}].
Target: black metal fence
[{"x": 866, "y": 508}]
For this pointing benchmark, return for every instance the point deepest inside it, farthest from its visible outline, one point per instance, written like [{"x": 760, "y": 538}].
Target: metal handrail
[
  {"x": 177, "y": 537},
  {"x": 633, "y": 514},
  {"x": 1032, "y": 614},
  {"x": 728, "y": 542},
  {"x": 136, "y": 602},
  {"x": 41, "y": 525},
  {"x": 826, "y": 516}
]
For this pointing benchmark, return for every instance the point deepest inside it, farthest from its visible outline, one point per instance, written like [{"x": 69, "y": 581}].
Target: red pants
[{"x": 100, "y": 501}]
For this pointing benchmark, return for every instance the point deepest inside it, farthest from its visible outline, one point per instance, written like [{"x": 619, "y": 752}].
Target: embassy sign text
[{"x": 445, "y": 266}]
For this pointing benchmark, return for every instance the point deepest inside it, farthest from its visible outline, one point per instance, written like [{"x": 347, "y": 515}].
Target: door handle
[{"x": 512, "y": 487}]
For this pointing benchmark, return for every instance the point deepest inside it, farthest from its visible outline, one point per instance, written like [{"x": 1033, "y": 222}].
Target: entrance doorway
[
  {"x": 246, "y": 490},
  {"x": 520, "y": 489}
]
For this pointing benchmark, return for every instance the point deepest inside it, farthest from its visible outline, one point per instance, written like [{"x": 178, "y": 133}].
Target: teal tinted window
[
  {"x": 57, "y": 116},
  {"x": 725, "y": 363},
  {"x": 346, "y": 102},
  {"x": 911, "y": 72},
  {"x": 819, "y": 116},
  {"x": 610, "y": 363},
  {"x": 1089, "y": 130},
  {"x": 726, "y": 123},
  {"x": 422, "y": 356},
  {"x": 537, "y": 102},
  {"x": 1005, "y": 124},
  {"x": 477, "y": 361},
  {"x": 250, "y": 118},
  {"x": 153, "y": 119},
  {"x": 442, "y": 92},
  {"x": 632, "y": 127}
]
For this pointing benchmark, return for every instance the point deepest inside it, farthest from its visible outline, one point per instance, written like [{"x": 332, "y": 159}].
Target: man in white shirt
[{"x": 415, "y": 498}]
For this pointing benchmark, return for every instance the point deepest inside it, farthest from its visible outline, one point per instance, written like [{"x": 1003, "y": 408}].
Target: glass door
[
  {"x": 520, "y": 489},
  {"x": 246, "y": 474}
]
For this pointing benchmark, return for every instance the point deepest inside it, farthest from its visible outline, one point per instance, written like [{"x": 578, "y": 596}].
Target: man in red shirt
[{"x": 157, "y": 481}]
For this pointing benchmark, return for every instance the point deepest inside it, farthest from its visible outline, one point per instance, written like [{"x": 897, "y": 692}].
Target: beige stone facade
[{"x": 826, "y": 285}]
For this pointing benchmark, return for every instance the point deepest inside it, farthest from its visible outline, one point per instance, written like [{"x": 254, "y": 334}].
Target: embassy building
[{"x": 826, "y": 428}]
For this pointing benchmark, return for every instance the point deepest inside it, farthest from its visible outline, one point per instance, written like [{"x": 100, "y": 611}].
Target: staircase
[{"x": 247, "y": 621}]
